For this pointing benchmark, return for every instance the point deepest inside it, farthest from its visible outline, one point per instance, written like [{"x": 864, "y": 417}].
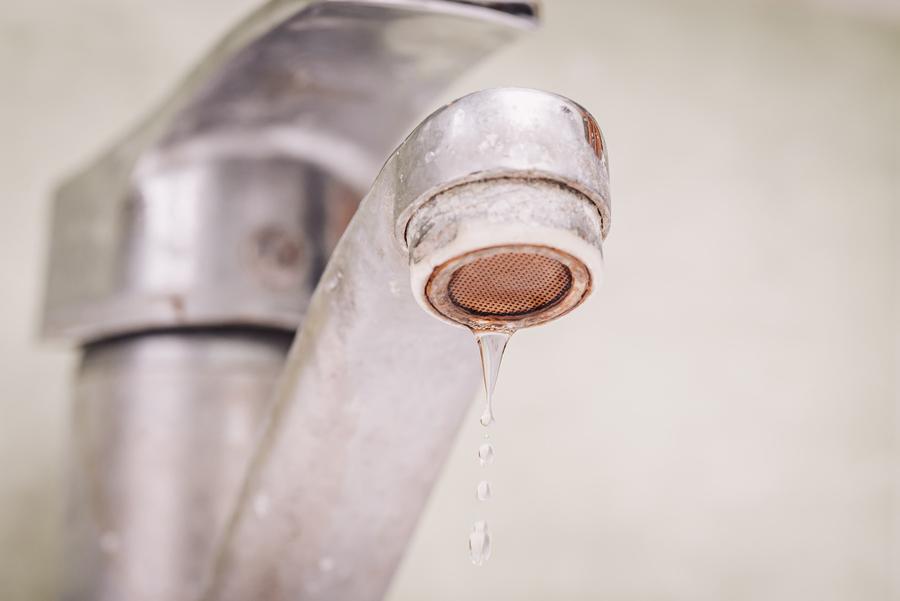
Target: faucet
[{"x": 213, "y": 456}]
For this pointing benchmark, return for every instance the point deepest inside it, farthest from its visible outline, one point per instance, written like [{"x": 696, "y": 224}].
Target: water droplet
[
  {"x": 486, "y": 453},
  {"x": 429, "y": 156},
  {"x": 483, "y": 490},
  {"x": 491, "y": 345},
  {"x": 480, "y": 543},
  {"x": 335, "y": 281}
]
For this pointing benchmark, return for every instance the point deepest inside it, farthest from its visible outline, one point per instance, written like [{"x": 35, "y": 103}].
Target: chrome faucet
[{"x": 185, "y": 258}]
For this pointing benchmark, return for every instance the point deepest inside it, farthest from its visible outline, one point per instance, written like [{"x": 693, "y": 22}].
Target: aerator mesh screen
[{"x": 509, "y": 284}]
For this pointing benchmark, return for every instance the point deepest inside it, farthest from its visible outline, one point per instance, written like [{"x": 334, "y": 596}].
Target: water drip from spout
[{"x": 491, "y": 346}]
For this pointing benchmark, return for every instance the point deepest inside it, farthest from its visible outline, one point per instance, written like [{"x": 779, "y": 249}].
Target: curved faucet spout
[{"x": 375, "y": 388}]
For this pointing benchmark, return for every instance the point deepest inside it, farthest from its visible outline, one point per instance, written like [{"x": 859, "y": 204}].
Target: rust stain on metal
[
  {"x": 277, "y": 247},
  {"x": 277, "y": 256},
  {"x": 592, "y": 133}
]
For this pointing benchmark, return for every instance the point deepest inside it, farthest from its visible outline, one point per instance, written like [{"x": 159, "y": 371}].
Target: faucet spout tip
[
  {"x": 505, "y": 254},
  {"x": 505, "y": 215}
]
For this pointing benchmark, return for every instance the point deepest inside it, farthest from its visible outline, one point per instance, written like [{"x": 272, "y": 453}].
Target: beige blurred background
[{"x": 719, "y": 423}]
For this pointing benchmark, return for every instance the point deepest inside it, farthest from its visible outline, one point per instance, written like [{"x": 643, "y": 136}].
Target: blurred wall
[{"x": 719, "y": 423}]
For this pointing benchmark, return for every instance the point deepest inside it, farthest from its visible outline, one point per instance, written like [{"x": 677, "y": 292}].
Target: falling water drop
[
  {"x": 483, "y": 490},
  {"x": 480, "y": 543},
  {"x": 491, "y": 345},
  {"x": 487, "y": 416},
  {"x": 485, "y": 453}
]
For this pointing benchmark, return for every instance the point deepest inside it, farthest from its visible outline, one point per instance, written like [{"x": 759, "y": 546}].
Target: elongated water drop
[
  {"x": 480, "y": 543},
  {"x": 491, "y": 345},
  {"x": 483, "y": 490},
  {"x": 486, "y": 453}
]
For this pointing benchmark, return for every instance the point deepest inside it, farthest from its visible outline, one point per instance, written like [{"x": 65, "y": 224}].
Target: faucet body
[
  {"x": 183, "y": 259},
  {"x": 223, "y": 206},
  {"x": 207, "y": 463}
]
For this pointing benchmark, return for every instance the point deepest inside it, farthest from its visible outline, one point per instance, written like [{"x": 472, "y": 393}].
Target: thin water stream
[{"x": 491, "y": 346}]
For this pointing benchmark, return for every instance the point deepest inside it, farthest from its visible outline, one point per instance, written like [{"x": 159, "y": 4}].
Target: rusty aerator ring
[
  {"x": 505, "y": 253},
  {"x": 508, "y": 286}
]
